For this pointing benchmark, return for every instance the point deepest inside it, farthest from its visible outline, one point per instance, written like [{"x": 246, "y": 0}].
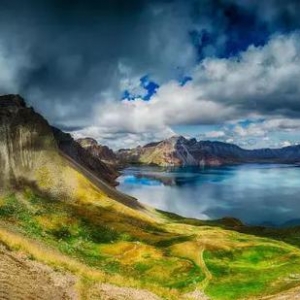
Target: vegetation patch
[
  {"x": 251, "y": 271},
  {"x": 170, "y": 258}
]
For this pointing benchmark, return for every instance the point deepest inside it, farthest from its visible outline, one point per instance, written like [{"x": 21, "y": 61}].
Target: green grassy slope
[{"x": 166, "y": 257}]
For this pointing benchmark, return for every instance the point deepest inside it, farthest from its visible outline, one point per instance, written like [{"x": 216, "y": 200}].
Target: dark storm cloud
[
  {"x": 63, "y": 55},
  {"x": 72, "y": 47}
]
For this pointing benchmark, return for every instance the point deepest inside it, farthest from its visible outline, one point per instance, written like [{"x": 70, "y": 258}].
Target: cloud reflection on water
[{"x": 256, "y": 194}]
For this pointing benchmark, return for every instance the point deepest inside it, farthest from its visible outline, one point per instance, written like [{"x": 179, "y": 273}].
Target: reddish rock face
[
  {"x": 103, "y": 153},
  {"x": 175, "y": 151}
]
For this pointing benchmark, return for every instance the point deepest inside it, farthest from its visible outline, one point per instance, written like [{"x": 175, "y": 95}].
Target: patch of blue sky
[
  {"x": 148, "y": 85},
  {"x": 243, "y": 123},
  {"x": 247, "y": 122},
  {"x": 126, "y": 95}
]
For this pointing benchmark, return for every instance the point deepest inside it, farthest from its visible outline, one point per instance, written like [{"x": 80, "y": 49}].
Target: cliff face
[
  {"x": 103, "y": 153},
  {"x": 26, "y": 140},
  {"x": 178, "y": 151},
  {"x": 163, "y": 153},
  {"x": 31, "y": 150},
  {"x": 85, "y": 157}
]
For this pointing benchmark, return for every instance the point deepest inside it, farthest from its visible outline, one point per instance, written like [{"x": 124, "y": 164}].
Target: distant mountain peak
[
  {"x": 175, "y": 139},
  {"x": 87, "y": 142},
  {"x": 103, "y": 153},
  {"x": 179, "y": 151}
]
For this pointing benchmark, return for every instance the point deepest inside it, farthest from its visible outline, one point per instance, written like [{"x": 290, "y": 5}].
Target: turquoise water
[{"x": 256, "y": 194}]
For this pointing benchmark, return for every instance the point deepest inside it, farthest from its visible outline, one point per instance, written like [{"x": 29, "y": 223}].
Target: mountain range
[
  {"x": 179, "y": 151},
  {"x": 67, "y": 233}
]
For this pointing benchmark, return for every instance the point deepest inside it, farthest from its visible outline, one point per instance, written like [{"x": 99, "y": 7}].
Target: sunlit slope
[
  {"x": 55, "y": 211},
  {"x": 171, "y": 259},
  {"x": 30, "y": 158}
]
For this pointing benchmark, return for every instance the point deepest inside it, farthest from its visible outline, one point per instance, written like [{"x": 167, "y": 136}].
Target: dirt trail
[
  {"x": 204, "y": 268},
  {"x": 199, "y": 294},
  {"x": 23, "y": 279},
  {"x": 111, "y": 292}
]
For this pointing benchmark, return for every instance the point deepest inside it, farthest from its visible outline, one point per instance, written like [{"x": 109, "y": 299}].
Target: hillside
[
  {"x": 65, "y": 233},
  {"x": 179, "y": 151},
  {"x": 84, "y": 156},
  {"x": 103, "y": 153}
]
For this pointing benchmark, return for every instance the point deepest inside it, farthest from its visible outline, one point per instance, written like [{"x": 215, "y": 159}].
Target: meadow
[{"x": 171, "y": 257}]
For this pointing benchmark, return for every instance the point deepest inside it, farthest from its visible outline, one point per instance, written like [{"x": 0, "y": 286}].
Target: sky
[{"x": 130, "y": 72}]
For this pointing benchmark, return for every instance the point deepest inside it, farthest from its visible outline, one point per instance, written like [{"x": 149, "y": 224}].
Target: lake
[{"x": 255, "y": 193}]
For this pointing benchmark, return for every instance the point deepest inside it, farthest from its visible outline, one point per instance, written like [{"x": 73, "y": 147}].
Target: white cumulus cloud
[{"x": 261, "y": 81}]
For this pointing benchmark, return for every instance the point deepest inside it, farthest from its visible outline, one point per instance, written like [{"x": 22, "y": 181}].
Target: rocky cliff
[
  {"x": 30, "y": 150},
  {"x": 103, "y": 153},
  {"x": 26, "y": 141},
  {"x": 87, "y": 157},
  {"x": 179, "y": 151}
]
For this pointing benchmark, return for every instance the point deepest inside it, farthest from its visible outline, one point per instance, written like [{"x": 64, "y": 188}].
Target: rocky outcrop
[
  {"x": 26, "y": 140},
  {"x": 85, "y": 157},
  {"x": 103, "y": 153},
  {"x": 30, "y": 149},
  {"x": 179, "y": 151},
  {"x": 163, "y": 153}
]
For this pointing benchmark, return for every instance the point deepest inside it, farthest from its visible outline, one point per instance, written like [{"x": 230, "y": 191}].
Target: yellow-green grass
[
  {"x": 86, "y": 276},
  {"x": 94, "y": 237},
  {"x": 170, "y": 258}
]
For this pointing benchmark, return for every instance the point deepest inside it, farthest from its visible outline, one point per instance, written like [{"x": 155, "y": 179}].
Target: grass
[
  {"x": 251, "y": 271},
  {"x": 91, "y": 240},
  {"x": 100, "y": 244}
]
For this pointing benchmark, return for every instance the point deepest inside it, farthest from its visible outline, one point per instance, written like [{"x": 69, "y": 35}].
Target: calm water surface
[{"x": 256, "y": 194}]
